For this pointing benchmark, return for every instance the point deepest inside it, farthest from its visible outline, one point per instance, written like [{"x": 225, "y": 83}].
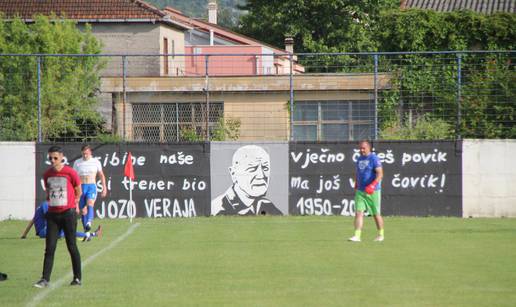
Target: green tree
[
  {"x": 420, "y": 84},
  {"x": 68, "y": 84},
  {"x": 426, "y": 30},
  {"x": 429, "y": 83},
  {"x": 374, "y": 25},
  {"x": 316, "y": 25},
  {"x": 488, "y": 102}
]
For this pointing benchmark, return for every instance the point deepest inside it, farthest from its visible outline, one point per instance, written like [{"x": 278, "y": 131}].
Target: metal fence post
[
  {"x": 124, "y": 93},
  {"x": 459, "y": 95},
  {"x": 207, "y": 89},
  {"x": 38, "y": 59},
  {"x": 177, "y": 122},
  {"x": 291, "y": 80},
  {"x": 375, "y": 96}
]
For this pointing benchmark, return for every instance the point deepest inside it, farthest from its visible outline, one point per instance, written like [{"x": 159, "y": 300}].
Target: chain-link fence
[{"x": 247, "y": 97}]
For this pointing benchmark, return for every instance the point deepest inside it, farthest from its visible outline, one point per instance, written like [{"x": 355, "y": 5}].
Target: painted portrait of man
[{"x": 250, "y": 175}]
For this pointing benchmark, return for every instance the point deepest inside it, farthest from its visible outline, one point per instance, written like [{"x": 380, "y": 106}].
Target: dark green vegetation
[
  {"x": 425, "y": 91},
  {"x": 374, "y": 25},
  {"x": 68, "y": 84}
]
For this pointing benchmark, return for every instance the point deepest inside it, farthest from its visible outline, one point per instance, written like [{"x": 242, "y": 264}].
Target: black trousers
[{"x": 67, "y": 221}]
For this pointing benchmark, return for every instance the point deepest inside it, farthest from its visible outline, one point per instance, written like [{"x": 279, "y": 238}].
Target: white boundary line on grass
[{"x": 61, "y": 281}]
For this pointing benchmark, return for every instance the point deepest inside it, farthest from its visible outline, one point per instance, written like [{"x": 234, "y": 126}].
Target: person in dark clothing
[{"x": 63, "y": 188}]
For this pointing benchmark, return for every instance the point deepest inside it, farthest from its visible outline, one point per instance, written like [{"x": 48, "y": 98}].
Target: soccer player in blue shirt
[
  {"x": 369, "y": 173},
  {"x": 40, "y": 223}
]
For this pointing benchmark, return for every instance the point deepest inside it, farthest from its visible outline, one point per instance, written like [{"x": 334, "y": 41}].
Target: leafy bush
[
  {"x": 227, "y": 129},
  {"x": 423, "y": 128}
]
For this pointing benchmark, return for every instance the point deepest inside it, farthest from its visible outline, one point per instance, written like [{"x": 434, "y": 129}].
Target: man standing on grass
[
  {"x": 63, "y": 188},
  {"x": 88, "y": 168},
  {"x": 369, "y": 173}
]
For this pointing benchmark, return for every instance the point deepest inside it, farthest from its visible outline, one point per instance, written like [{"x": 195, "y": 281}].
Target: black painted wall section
[{"x": 173, "y": 180}]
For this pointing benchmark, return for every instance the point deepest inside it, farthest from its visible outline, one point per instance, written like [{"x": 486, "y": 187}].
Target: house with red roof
[
  {"x": 136, "y": 27},
  {"x": 123, "y": 27},
  {"x": 207, "y": 37}
]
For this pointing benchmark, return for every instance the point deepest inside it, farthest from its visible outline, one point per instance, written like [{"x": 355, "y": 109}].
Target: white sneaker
[
  {"x": 354, "y": 239},
  {"x": 379, "y": 239},
  {"x": 42, "y": 283}
]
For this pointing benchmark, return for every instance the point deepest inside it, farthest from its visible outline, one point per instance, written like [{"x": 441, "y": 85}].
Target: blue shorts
[{"x": 89, "y": 191}]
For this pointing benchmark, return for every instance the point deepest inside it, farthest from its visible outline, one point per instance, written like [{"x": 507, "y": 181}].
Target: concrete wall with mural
[
  {"x": 172, "y": 180},
  {"x": 436, "y": 178},
  {"x": 17, "y": 184},
  {"x": 489, "y": 169}
]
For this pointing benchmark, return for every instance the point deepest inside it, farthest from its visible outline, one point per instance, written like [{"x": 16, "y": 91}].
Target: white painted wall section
[
  {"x": 17, "y": 184},
  {"x": 488, "y": 186}
]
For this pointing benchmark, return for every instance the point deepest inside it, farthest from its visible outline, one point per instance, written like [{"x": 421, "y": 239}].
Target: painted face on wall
[{"x": 251, "y": 170}]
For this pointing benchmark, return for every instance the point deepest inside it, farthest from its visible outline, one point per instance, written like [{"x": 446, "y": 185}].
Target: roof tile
[
  {"x": 480, "y": 6},
  {"x": 81, "y": 9}
]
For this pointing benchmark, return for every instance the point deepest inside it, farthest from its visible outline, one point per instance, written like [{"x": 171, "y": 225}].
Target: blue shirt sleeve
[{"x": 376, "y": 162}]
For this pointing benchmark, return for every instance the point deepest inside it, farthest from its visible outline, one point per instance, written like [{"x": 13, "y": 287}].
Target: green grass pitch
[{"x": 273, "y": 261}]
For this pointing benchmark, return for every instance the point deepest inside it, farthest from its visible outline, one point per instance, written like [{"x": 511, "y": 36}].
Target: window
[
  {"x": 333, "y": 120},
  {"x": 169, "y": 122},
  {"x": 165, "y": 58}
]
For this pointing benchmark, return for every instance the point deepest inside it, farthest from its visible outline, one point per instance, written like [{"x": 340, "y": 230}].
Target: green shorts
[{"x": 371, "y": 202}]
